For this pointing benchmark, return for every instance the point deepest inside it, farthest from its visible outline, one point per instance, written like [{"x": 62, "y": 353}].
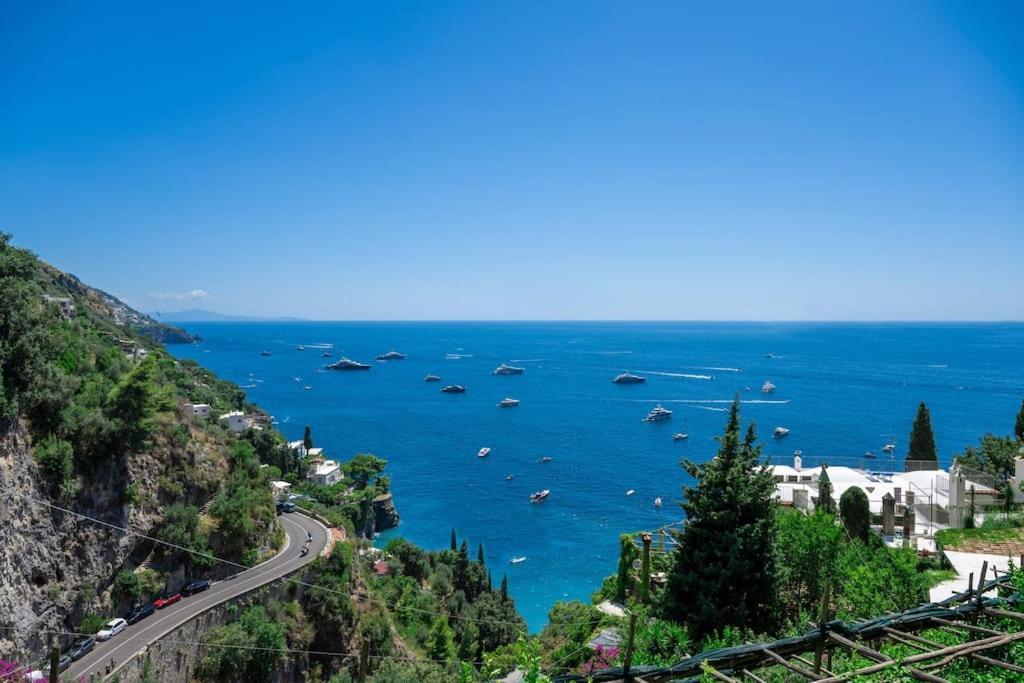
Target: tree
[
  {"x": 922, "y": 452},
  {"x": 504, "y": 589},
  {"x": 1018, "y": 428},
  {"x": 364, "y": 468},
  {"x": 480, "y": 554},
  {"x": 994, "y": 455},
  {"x": 855, "y": 513},
  {"x": 825, "y": 502},
  {"x": 627, "y": 553},
  {"x": 806, "y": 548},
  {"x": 307, "y": 438},
  {"x": 440, "y": 640},
  {"x": 455, "y": 540},
  {"x": 724, "y": 570},
  {"x": 132, "y": 404},
  {"x": 250, "y": 649}
]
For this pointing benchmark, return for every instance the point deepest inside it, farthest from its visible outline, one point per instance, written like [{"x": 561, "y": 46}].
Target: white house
[
  {"x": 299, "y": 446},
  {"x": 279, "y": 489},
  {"x": 233, "y": 421},
  {"x": 326, "y": 473},
  {"x": 199, "y": 409},
  {"x": 315, "y": 453}
]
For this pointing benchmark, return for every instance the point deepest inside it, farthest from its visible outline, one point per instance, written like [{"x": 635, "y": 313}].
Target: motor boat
[
  {"x": 325, "y": 354},
  {"x": 658, "y": 414},
  {"x": 454, "y": 389},
  {"x": 264, "y": 353},
  {"x": 767, "y": 387},
  {"x": 680, "y": 436},
  {"x": 483, "y": 452},
  {"x": 300, "y": 347},
  {"x": 539, "y": 496},
  {"x": 545, "y": 460},
  {"x": 630, "y": 492},
  {"x": 508, "y": 403},
  {"x": 508, "y": 477},
  {"x": 296, "y": 379},
  {"x": 627, "y": 378},
  {"x": 391, "y": 355},
  {"x": 769, "y": 356},
  {"x": 889, "y": 448},
  {"x": 347, "y": 364},
  {"x": 517, "y": 560},
  {"x": 780, "y": 432},
  {"x": 657, "y": 502},
  {"x": 504, "y": 369},
  {"x": 431, "y": 378}
]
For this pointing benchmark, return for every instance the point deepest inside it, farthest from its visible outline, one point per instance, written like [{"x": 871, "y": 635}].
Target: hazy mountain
[{"x": 198, "y": 315}]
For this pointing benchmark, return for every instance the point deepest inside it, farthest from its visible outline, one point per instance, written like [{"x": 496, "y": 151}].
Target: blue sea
[{"x": 842, "y": 390}]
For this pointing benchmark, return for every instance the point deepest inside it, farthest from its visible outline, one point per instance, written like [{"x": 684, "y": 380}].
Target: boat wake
[
  {"x": 684, "y": 375},
  {"x": 717, "y": 369},
  {"x": 457, "y": 356},
  {"x": 706, "y": 401},
  {"x": 527, "y": 360}
]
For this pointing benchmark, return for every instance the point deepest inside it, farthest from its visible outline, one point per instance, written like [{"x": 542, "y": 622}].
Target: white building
[
  {"x": 315, "y": 452},
  {"x": 279, "y": 489},
  {"x": 325, "y": 473},
  {"x": 199, "y": 409},
  {"x": 233, "y": 421},
  {"x": 299, "y": 446}
]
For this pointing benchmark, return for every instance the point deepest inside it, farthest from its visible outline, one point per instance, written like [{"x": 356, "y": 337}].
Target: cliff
[{"x": 379, "y": 515}]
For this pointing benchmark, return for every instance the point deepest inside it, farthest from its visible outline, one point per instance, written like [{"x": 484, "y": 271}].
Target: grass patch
[{"x": 933, "y": 577}]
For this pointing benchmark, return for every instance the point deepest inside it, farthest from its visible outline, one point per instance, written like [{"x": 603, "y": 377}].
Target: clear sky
[{"x": 508, "y": 160}]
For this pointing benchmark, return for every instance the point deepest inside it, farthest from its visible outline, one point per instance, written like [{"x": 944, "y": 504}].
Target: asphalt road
[{"x": 137, "y": 636}]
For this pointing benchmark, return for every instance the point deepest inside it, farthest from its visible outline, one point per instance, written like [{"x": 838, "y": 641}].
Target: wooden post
[
  {"x": 645, "y": 568},
  {"x": 54, "y": 660},
  {"x": 628, "y": 661},
  {"x": 822, "y": 624}
]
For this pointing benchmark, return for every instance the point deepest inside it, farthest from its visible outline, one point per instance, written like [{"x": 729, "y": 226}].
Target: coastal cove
[{"x": 842, "y": 389}]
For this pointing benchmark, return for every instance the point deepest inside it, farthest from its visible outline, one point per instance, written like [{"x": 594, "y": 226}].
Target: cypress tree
[
  {"x": 461, "y": 573},
  {"x": 1018, "y": 429},
  {"x": 455, "y": 540},
  {"x": 922, "y": 441},
  {"x": 480, "y": 554},
  {"x": 724, "y": 571},
  {"x": 855, "y": 513},
  {"x": 825, "y": 502},
  {"x": 504, "y": 588},
  {"x": 307, "y": 437}
]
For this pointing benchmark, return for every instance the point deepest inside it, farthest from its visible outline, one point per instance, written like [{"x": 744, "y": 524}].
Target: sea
[{"x": 842, "y": 389}]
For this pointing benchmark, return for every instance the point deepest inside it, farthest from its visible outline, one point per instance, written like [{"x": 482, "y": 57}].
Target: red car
[{"x": 166, "y": 599}]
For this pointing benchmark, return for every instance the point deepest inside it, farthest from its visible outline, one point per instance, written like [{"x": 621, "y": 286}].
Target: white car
[{"x": 113, "y": 627}]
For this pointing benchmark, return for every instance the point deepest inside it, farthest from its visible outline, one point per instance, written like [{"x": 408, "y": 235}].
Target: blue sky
[{"x": 509, "y": 160}]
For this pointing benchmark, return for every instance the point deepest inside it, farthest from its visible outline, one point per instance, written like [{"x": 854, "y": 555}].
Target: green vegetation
[
  {"x": 995, "y": 529},
  {"x": 724, "y": 567},
  {"x": 993, "y": 455},
  {"x": 1018, "y": 427},
  {"x": 249, "y": 649},
  {"x": 922, "y": 441},
  {"x": 855, "y": 513},
  {"x": 244, "y": 509}
]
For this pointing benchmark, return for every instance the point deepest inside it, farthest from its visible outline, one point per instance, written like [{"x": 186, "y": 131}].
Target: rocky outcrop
[{"x": 379, "y": 515}]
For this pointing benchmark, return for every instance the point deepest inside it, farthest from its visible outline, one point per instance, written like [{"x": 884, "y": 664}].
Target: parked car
[
  {"x": 63, "y": 663},
  {"x": 166, "y": 598},
  {"x": 81, "y": 648},
  {"x": 113, "y": 627},
  {"x": 195, "y": 587},
  {"x": 140, "y": 613},
  {"x": 288, "y": 507}
]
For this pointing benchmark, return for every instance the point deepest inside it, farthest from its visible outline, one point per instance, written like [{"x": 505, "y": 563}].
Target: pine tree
[
  {"x": 480, "y": 554},
  {"x": 855, "y": 513},
  {"x": 455, "y": 540},
  {"x": 440, "y": 640},
  {"x": 307, "y": 438},
  {"x": 1018, "y": 429},
  {"x": 724, "y": 571},
  {"x": 922, "y": 442}
]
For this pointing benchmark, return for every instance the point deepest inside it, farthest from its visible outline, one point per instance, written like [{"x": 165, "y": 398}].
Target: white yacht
[
  {"x": 517, "y": 560},
  {"x": 630, "y": 492},
  {"x": 767, "y": 387},
  {"x": 680, "y": 436},
  {"x": 545, "y": 460},
  {"x": 391, "y": 355},
  {"x": 432, "y": 378},
  {"x": 780, "y": 432},
  {"x": 657, "y": 502},
  {"x": 454, "y": 389},
  {"x": 658, "y": 414},
  {"x": 300, "y": 347},
  {"x": 627, "y": 378},
  {"x": 508, "y": 403},
  {"x": 539, "y": 496},
  {"x": 889, "y": 447},
  {"x": 504, "y": 369},
  {"x": 484, "y": 452},
  {"x": 347, "y": 364}
]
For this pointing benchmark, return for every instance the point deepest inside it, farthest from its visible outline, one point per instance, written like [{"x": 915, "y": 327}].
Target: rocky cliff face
[
  {"x": 379, "y": 515},
  {"x": 56, "y": 567}
]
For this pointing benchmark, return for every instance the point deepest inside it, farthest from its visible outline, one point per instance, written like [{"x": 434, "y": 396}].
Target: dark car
[
  {"x": 81, "y": 648},
  {"x": 63, "y": 663},
  {"x": 140, "y": 613},
  {"x": 166, "y": 599},
  {"x": 195, "y": 587},
  {"x": 288, "y": 507}
]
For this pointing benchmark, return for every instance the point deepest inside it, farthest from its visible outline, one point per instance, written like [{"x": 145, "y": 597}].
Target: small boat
[
  {"x": 870, "y": 456},
  {"x": 889, "y": 448},
  {"x": 545, "y": 460},
  {"x": 657, "y": 502},
  {"x": 391, "y": 355},
  {"x": 264, "y": 353},
  {"x": 798, "y": 453},
  {"x": 300, "y": 347},
  {"x": 431, "y": 378},
  {"x": 627, "y": 378},
  {"x": 325, "y": 354},
  {"x": 454, "y": 389},
  {"x": 508, "y": 477},
  {"x": 658, "y": 414},
  {"x": 307, "y": 387},
  {"x": 483, "y": 452},
  {"x": 630, "y": 492},
  {"x": 296, "y": 379},
  {"x": 769, "y": 356},
  {"x": 508, "y": 403},
  {"x": 504, "y": 369},
  {"x": 517, "y": 560},
  {"x": 680, "y": 436},
  {"x": 767, "y": 387},
  {"x": 347, "y": 364},
  {"x": 539, "y": 496},
  {"x": 746, "y": 389},
  {"x": 780, "y": 432}
]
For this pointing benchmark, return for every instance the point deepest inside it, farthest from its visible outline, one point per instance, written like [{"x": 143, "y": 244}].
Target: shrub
[{"x": 855, "y": 513}]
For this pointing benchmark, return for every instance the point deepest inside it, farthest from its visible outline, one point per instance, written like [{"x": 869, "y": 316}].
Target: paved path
[
  {"x": 964, "y": 564},
  {"x": 133, "y": 639}
]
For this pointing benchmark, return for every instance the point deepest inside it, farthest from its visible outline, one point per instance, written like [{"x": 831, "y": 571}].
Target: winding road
[{"x": 125, "y": 645}]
